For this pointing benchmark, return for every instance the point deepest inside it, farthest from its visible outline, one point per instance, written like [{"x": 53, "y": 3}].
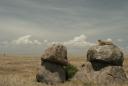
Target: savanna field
[{"x": 21, "y": 71}]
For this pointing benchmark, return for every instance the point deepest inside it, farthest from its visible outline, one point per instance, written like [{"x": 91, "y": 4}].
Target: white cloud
[
  {"x": 78, "y": 41},
  {"x": 37, "y": 42},
  {"x": 45, "y": 41},
  {"x": 109, "y": 40},
  {"x": 26, "y": 40}
]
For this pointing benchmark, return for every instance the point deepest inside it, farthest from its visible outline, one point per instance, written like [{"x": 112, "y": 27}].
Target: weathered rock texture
[
  {"x": 57, "y": 53},
  {"x": 103, "y": 66},
  {"x": 52, "y": 62},
  {"x": 109, "y": 54}
]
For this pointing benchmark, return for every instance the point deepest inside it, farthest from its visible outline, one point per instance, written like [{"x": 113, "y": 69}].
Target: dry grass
[
  {"x": 21, "y": 71},
  {"x": 125, "y": 65}
]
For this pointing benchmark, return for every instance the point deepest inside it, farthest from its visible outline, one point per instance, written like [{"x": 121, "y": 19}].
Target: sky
[{"x": 28, "y": 27}]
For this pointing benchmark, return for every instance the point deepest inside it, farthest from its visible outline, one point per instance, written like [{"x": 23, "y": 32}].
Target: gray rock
[
  {"x": 52, "y": 65},
  {"x": 112, "y": 75},
  {"x": 104, "y": 65},
  {"x": 107, "y": 76},
  {"x": 56, "y": 53},
  {"x": 81, "y": 74},
  {"x": 110, "y": 54},
  {"x": 51, "y": 73}
]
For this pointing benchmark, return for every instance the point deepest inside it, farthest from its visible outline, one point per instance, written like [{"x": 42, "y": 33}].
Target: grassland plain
[{"x": 21, "y": 71}]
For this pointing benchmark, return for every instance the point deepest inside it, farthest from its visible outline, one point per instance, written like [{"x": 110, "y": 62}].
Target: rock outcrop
[
  {"x": 109, "y": 54},
  {"x": 104, "y": 66},
  {"x": 52, "y": 65}
]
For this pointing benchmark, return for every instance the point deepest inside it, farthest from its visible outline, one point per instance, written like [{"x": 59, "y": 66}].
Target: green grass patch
[{"x": 70, "y": 71}]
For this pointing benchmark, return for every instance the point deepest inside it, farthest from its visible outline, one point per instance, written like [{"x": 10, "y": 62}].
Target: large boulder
[
  {"x": 110, "y": 54},
  {"x": 51, "y": 73},
  {"x": 104, "y": 66},
  {"x": 111, "y": 75},
  {"x": 56, "y": 53},
  {"x": 108, "y": 75},
  {"x": 52, "y": 65}
]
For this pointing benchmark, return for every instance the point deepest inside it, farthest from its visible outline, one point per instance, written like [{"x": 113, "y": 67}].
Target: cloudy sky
[{"x": 29, "y": 26}]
